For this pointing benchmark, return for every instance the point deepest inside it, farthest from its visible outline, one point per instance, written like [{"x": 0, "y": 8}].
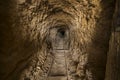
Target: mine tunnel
[{"x": 59, "y": 39}]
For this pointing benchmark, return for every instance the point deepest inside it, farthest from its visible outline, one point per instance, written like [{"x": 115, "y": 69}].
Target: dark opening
[{"x": 61, "y": 33}]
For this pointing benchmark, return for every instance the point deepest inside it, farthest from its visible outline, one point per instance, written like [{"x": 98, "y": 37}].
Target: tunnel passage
[
  {"x": 59, "y": 37},
  {"x": 60, "y": 40},
  {"x": 27, "y": 35}
]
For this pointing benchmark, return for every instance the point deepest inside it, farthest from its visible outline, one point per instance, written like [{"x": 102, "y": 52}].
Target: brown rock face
[
  {"x": 113, "y": 56},
  {"x": 54, "y": 39}
]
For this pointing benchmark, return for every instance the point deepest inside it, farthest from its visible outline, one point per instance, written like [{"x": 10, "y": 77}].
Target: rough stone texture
[
  {"x": 26, "y": 51},
  {"x": 113, "y": 58}
]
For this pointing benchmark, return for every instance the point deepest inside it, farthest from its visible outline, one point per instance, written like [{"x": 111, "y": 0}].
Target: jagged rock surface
[{"x": 26, "y": 51}]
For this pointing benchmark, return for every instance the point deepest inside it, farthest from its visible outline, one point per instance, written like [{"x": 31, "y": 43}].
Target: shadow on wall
[
  {"x": 15, "y": 50},
  {"x": 100, "y": 41}
]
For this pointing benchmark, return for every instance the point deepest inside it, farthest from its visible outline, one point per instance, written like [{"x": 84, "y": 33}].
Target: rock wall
[{"x": 29, "y": 29}]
